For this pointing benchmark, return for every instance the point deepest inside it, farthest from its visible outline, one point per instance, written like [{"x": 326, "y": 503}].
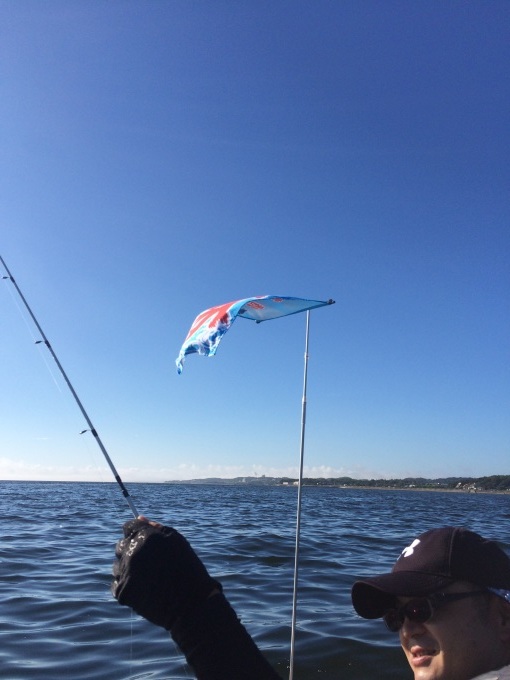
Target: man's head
[{"x": 448, "y": 595}]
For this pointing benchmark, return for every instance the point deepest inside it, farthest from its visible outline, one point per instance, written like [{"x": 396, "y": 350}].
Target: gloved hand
[{"x": 158, "y": 574}]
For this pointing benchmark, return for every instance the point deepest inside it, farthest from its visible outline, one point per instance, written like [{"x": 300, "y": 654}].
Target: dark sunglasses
[{"x": 421, "y": 609}]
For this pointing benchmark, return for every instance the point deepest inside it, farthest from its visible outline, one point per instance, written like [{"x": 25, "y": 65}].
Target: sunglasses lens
[
  {"x": 417, "y": 611},
  {"x": 393, "y": 620}
]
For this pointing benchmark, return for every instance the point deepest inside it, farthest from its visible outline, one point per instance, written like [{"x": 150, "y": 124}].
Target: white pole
[{"x": 298, "y": 520}]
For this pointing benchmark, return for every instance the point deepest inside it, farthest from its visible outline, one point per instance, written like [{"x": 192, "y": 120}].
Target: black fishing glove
[{"x": 158, "y": 574}]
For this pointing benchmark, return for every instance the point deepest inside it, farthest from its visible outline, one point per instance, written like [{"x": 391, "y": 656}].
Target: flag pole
[{"x": 298, "y": 519}]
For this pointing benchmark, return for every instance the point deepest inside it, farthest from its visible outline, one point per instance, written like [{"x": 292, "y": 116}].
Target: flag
[{"x": 211, "y": 325}]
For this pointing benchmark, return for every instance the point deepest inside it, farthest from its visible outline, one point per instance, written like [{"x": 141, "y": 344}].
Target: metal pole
[
  {"x": 298, "y": 520},
  {"x": 80, "y": 405}
]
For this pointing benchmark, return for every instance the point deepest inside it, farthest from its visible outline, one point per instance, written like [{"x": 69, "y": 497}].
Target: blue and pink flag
[{"x": 211, "y": 325}]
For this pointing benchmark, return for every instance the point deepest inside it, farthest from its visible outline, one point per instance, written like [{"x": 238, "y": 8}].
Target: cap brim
[{"x": 373, "y": 597}]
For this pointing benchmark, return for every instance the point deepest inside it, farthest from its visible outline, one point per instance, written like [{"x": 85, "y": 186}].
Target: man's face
[{"x": 459, "y": 642}]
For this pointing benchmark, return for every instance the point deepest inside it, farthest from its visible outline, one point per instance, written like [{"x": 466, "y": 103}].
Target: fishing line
[
  {"x": 15, "y": 301},
  {"x": 91, "y": 427}
]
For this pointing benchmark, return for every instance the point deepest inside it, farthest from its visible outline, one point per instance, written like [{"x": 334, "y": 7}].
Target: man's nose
[{"x": 411, "y": 628}]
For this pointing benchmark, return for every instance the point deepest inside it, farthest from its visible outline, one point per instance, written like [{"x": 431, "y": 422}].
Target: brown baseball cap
[{"x": 432, "y": 562}]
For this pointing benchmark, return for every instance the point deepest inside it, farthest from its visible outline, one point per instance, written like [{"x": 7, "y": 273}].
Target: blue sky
[{"x": 159, "y": 158}]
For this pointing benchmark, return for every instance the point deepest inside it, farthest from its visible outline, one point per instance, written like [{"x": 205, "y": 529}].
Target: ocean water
[{"x": 58, "y": 619}]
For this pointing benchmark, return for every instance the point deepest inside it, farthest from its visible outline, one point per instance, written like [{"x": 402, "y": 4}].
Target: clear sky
[{"x": 159, "y": 158}]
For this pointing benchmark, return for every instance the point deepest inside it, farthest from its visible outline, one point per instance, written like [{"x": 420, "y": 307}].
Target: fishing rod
[{"x": 91, "y": 429}]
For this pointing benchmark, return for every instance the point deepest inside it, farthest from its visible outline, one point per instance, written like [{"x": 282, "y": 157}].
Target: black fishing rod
[{"x": 91, "y": 429}]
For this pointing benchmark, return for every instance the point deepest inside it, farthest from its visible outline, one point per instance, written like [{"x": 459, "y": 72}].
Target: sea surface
[{"x": 58, "y": 619}]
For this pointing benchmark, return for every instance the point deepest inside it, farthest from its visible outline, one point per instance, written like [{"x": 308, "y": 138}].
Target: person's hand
[{"x": 158, "y": 574}]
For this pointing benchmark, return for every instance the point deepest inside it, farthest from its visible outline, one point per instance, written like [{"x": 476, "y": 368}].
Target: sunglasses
[{"x": 422, "y": 609}]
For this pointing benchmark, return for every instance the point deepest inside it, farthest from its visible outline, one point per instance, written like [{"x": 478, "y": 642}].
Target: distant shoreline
[
  {"x": 492, "y": 484},
  {"x": 403, "y": 488},
  {"x": 467, "y": 487}
]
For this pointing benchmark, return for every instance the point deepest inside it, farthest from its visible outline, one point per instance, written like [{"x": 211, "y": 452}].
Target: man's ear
[{"x": 504, "y": 619}]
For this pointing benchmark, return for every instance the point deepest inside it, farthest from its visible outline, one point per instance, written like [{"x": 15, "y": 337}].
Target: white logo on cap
[{"x": 406, "y": 552}]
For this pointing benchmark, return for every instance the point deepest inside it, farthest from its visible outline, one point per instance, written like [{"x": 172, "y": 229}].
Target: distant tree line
[{"x": 492, "y": 483}]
